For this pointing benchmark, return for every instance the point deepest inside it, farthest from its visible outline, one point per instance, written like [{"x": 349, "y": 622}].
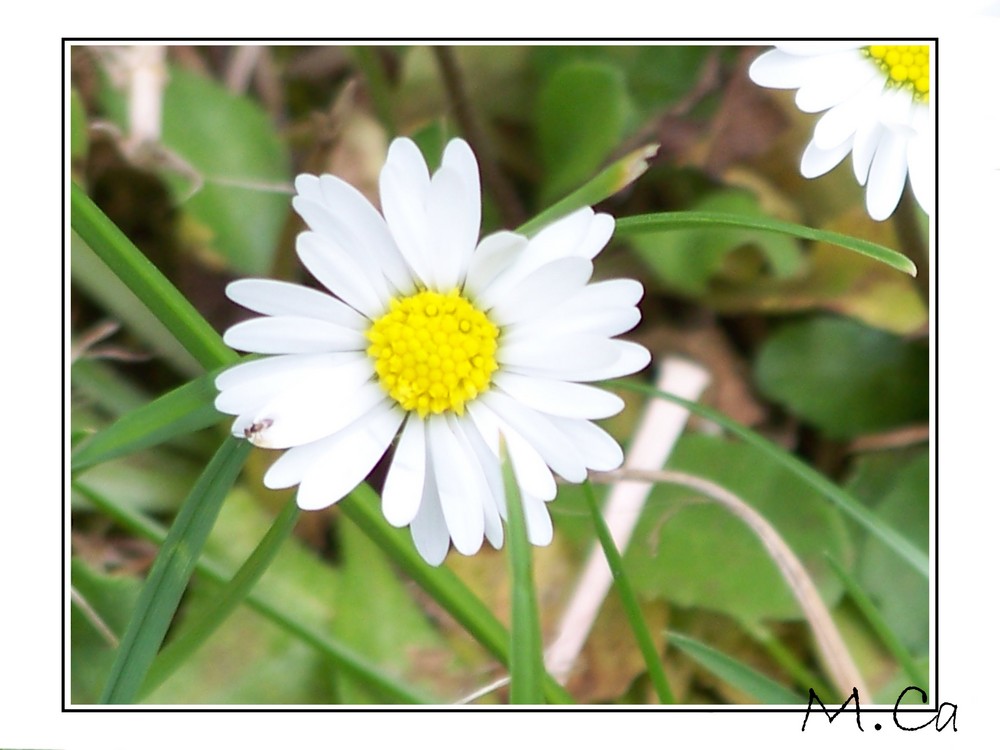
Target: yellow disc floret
[
  {"x": 433, "y": 352},
  {"x": 905, "y": 66}
]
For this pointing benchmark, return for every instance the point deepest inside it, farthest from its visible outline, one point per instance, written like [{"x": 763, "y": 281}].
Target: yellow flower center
[
  {"x": 433, "y": 352},
  {"x": 904, "y": 66}
]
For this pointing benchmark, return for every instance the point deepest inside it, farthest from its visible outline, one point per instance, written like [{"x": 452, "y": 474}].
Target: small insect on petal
[{"x": 254, "y": 433}]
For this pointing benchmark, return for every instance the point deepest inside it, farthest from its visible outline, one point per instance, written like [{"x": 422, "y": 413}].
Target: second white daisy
[
  {"x": 446, "y": 342},
  {"x": 876, "y": 107}
]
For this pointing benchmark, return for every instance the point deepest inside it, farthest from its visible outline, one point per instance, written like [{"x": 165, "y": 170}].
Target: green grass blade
[
  {"x": 338, "y": 653},
  {"x": 661, "y": 222},
  {"x": 737, "y": 674},
  {"x": 161, "y": 297},
  {"x": 183, "y": 410},
  {"x": 841, "y": 499},
  {"x": 194, "y": 634},
  {"x": 362, "y": 508},
  {"x": 526, "y": 666},
  {"x": 629, "y": 601},
  {"x": 609, "y": 181},
  {"x": 878, "y": 624},
  {"x": 171, "y": 571}
]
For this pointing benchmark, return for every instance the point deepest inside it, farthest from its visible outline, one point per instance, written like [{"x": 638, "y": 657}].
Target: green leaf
[
  {"x": 582, "y": 112},
  {"x": 169, "y": 575},
  {"x": 170, "y": 307},
  {"x": 844, "y": 377},
  {"x": 697, "y": 554},
  {"x": 900, "y": 545},
  {"x": 609, "y": 181},
  {"x": 739, "y": 675},
  {"x": 240, "y": 158},
  {"x": 901, "y": 596},
  {"x": 687, "y": 259},
  {"x": 185, "y": 409},
  {"x": 659, "y": 222},
  {"x": 526, "y": 666}
]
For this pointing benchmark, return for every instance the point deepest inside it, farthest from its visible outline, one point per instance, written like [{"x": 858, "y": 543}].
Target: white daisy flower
[
  {"x": 876, "y": 102},
  {"x": 438, "y": 343}
]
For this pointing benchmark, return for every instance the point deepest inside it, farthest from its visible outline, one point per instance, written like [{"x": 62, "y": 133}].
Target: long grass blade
[
  {"x": 739, "y": 675},
  {"x": 194, "y": 634},
  {"x": 169, "y": 575},
  {"x": 185, "y": 409},
  {"x": 841, "y": 499},
  {"x": 339, "y": 654},
  {"x": 630, "y": 602},
  {"x": 878, "y": 624},
  {"x": 526, "y": 666},
  {"x": 661, "y": 222},
  {"x": 161, "y": 297}
]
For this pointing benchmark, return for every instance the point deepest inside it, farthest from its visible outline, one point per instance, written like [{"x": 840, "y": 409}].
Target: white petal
[
  {"x": 540, "y": 432},
  {"x": 920, "y": 164},
  {"x": 429, "y": 531},
  {"x": 458, "y": 157},
  {"x": 567, "y": 320},
  {"x": 269, "y": 297},
  {"x": 545, "y": 288},
  {"x": 887, "y": 176},
  {"x": 630, "y": 357},
  {"x": 841, "y": 122},
  {"x": 488, "y": 465},
  {"x": 866, "y": 142},
  {"x": 292, "y": 466},
  {"x": 404, "y": 483},
  {"x": 293, "y": 335},
  {"x": 559, "y": 397},
  {"x": 403, "y": 187},
  {"x": 494, "y": 253},
  {"x": 530, "y": 470},
  {"x": 450, "y": 225},
  {"x": 349, "y": 457},
  {"x": 340, "y": 273},
  {"x": 287, "y": 365},
  {"x": 314, "y": 410},
  {"x": 537, "y": 520},
  {"x": 844, "y": 75},
  {"x": 567, "y": 354},
  {"x": 600, "y": 451},
  {"x": 600, "y": 231},
  {"x": 817, "y": 161},
  {"x": 460, "y": 487},
  {"x": 778, "y": 69}
]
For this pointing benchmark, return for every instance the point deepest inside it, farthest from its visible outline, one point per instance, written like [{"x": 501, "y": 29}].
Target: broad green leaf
[
  {"x": 688, "y": 259},
  {"x": 183, "y": 410},
  {"x": 736, "y": 673},
  {"x": 697, "y": 554},
  {"x": 168, "y": 578},
  {"x": 144, "y": 280},
  {"x": 698, "y": 219},
  {"x": 901, "y": 595},
  {"x": 240, "y": 159},
  {"x": 526, "y": 666},
  {"x": 844, "y": 501},
  {"x": 582, "y": 112},
  {"x": 843, "y": 377}
]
